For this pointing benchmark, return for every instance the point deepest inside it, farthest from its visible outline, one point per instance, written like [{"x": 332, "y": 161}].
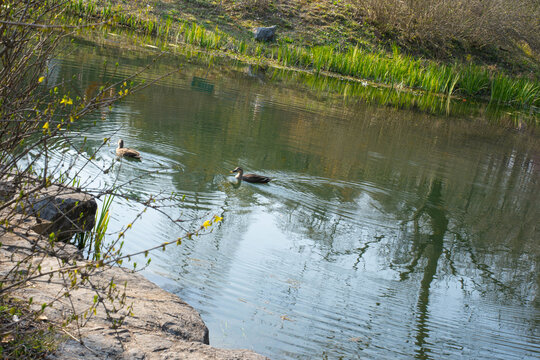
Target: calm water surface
[{"x": 385, "y": 233}]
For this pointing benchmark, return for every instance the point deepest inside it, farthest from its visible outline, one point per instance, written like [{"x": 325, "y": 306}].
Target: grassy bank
[{"x": 363, "y": 57}]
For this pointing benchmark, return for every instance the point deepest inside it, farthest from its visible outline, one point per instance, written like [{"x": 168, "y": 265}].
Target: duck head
[{"x": 238, "y": 171}]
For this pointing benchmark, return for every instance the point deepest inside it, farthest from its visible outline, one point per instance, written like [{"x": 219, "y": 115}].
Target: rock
[
  {"x": 158, "y": 324},
  {"x": 162, "y": 325},
  {"x": 265, "y": 33},
  {"x": 62, "y": 210},
  {"x": 7, "y": 189}
]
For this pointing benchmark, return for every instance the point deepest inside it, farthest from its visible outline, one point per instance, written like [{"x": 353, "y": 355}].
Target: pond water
[{"x": 385, "y": 233}]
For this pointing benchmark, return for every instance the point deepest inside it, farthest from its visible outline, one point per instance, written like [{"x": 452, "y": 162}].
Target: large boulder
[
  {"x": 63, "y": 211},
  {"x": 7, "y": 189},
  {"x": 265, "y": 34}
]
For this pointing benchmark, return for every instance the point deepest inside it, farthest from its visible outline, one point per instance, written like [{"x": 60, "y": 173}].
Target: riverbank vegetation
[
  {"x": 491, "y": 55},
  {"x": 44, "y": 200},
  {"x": 339, "y": 39}
]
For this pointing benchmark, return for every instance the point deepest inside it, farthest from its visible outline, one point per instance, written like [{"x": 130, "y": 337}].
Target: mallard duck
[
  {"x": 252, "y": 178},
  {"x": 126, "y": 152}
]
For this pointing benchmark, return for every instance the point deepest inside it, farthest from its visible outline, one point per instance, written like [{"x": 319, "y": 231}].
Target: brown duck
[
  {"x": 126, "y": 152},
  {"x": 252, "y": 178}
]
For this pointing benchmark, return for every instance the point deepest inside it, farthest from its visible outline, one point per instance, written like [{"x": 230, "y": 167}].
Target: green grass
[
  {"x": 93, "y": 240},
  {"x": 528, "y": 93},
  {"x": 24, "y": 338},
  {"x": 393, "y": 69},
  {"x": 475, "y": 81}
]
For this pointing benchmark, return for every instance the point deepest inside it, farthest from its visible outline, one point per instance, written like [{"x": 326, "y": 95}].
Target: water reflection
[
  {"x": 201, "y": 84},
  {"x": 432, "y": 248},
  {"x": 383, "y": 234}
]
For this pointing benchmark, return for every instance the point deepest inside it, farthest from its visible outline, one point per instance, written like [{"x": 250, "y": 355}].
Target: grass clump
[
  {"x": 22, "y": 335},
  {"x": 475, "y": 81},
  {"x": 93, "y": 241}
]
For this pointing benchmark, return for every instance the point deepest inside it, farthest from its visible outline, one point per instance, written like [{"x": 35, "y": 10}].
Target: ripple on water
[{"x": 303, "y": 266}]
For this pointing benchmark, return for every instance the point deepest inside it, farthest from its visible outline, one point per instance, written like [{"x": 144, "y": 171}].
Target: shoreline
[
  {"x": 96, "y": 311},
  {"x": 162, "y": 325},
  {"x": 383, "y": 68}
]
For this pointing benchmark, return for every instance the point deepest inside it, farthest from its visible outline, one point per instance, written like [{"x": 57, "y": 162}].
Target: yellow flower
[
  {"x": 40, "y": 80},
  {"x": 217, "y": 218},
  {"x": 46, "y": 125},
  {"x": 66, "y": 101},
  {"x": 206, "y": 224}
]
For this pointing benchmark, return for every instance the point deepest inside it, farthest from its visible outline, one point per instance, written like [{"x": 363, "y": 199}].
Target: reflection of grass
[
  {"x": 397, "y": 69},
  {"x": 351, "y": 91},
  {"x": 354, "y": 91}
]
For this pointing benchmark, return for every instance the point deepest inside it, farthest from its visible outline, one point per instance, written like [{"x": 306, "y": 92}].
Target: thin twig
[{"x": 43, "y": 26}]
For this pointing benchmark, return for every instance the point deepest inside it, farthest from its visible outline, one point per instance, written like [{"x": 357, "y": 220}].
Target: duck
[
  {"x": 252, "y": 178},
  {"x": 126, "y": 152}
]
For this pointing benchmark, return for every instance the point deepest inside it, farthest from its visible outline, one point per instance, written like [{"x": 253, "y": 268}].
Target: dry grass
[
  {"x": 444, "y": 24},
  {"x": 492, "y": 31},
  {"x": 259, "y": 7}
]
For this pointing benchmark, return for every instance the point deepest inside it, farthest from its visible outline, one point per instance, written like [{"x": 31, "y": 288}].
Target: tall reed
[{"x": 93, "y": 240}]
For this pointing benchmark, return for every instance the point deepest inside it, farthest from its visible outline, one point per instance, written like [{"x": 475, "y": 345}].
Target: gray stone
[
  {"x": 62, "y": 210},
  {"x": 265, "y": 33},
  {"x": 7, "y": 189}
]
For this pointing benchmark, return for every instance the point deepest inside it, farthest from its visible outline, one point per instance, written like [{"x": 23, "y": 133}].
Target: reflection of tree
[
  {"x": 439, "y": 224},
  {"x": 432, "y": 249}
]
